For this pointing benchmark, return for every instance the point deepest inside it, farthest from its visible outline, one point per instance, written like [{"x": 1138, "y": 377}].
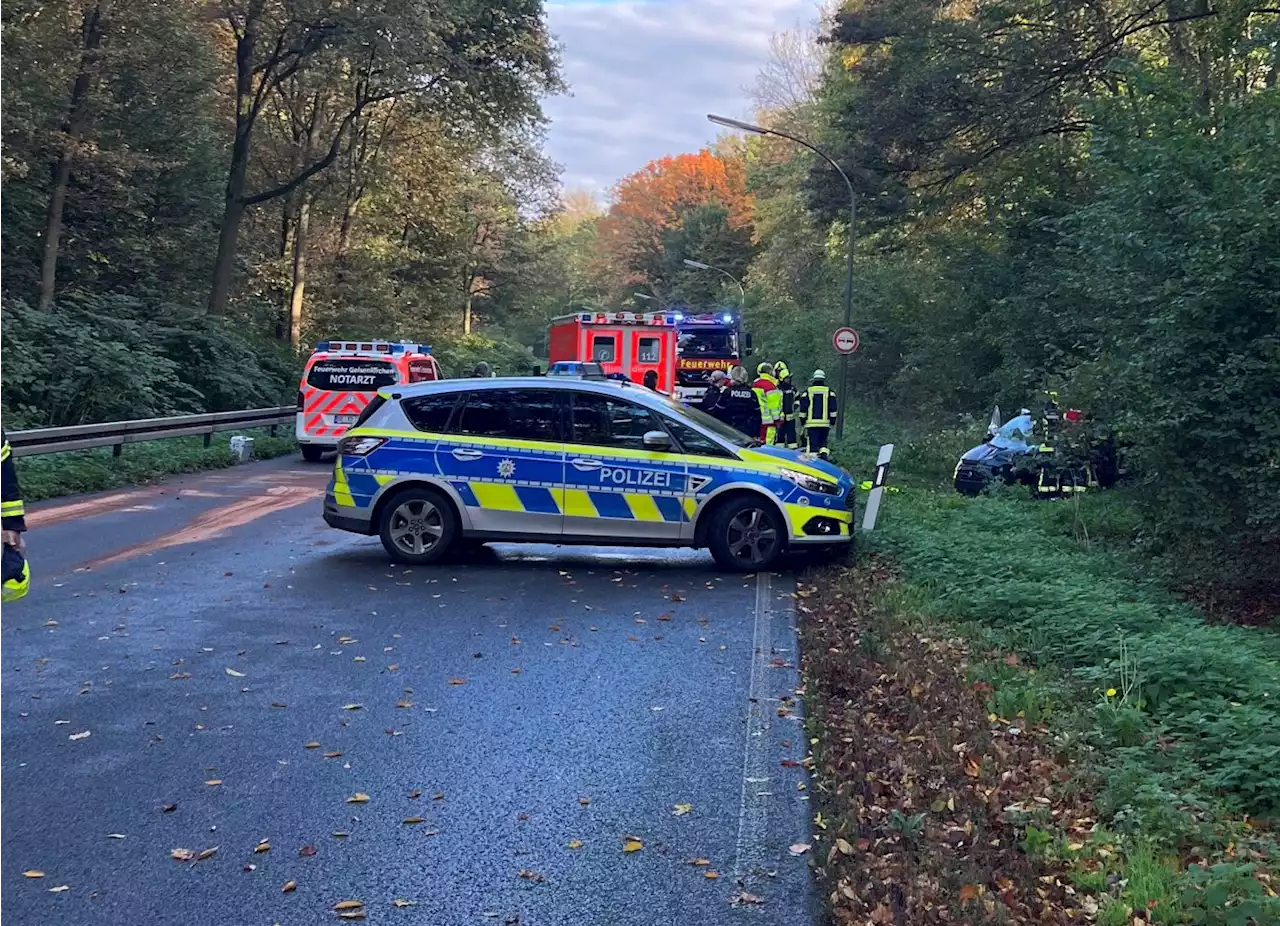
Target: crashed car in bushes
[{"x": 1059, "y": 455}]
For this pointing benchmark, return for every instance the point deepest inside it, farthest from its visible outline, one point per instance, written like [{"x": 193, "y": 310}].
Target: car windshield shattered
[{"x": 1014, "y": 434}]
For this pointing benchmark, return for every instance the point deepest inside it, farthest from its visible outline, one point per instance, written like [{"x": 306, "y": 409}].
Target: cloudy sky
[{"x": 643, "y": 74}]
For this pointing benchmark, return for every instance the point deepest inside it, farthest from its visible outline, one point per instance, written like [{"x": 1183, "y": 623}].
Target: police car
[{"x": 565, "y": 460}]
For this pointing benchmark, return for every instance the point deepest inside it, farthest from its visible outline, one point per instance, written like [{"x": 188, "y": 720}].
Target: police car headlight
[
  {"x": 360, "y": 446},
  {"x": 811, "y": 483}
]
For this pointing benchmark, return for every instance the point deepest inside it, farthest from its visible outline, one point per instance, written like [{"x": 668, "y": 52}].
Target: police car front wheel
[
  {"x": 746, "y": 535},
  {"x": 418, "y": 526}
]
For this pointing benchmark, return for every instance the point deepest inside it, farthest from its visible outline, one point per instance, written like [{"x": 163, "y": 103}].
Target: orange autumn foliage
[{"x": 655, "y": 199}]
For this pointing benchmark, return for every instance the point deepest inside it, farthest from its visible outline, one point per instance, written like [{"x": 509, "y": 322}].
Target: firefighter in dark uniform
[
  {"x": 817, "y": 414},
  {"x": 17, "y": 575},
  {"x": 739, "y": 407},
  {"x": 787, "y": 430}
]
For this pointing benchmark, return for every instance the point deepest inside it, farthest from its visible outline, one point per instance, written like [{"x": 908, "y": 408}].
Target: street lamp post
[
  {"x": 853, "y": 217},
  {"x": 701, "y": 266}
]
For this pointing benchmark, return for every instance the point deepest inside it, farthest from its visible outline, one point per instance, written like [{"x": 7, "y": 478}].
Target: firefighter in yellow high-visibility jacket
[
  {"x": 17, "y": 575},
  {"x": 817, "y": 414},
  {"x": 770, "y": 398}
]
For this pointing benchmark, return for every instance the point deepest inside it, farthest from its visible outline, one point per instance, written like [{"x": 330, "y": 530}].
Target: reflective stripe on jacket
[{"x": 817, "y": 406}]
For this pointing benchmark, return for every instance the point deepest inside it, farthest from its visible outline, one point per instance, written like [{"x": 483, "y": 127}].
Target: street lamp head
[
  {"x": 698, "y": 264},
  {"x": 736, "y": 124}
]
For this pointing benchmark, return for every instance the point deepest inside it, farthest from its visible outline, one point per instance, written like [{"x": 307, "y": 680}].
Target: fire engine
[
  {"x": 627, "y": 343},
  {"x": 342, "y": 377},
  {"x": 708, "y": 341}
]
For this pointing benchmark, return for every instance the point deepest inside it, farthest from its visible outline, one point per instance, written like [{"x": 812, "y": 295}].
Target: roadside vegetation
[
  {"x": 1016, "y": 723},
  {"x": 54, "y": 475}
]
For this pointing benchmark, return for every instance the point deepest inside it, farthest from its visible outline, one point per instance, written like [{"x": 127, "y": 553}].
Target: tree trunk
[
  {"x": 348, "y": 223},
  {"x": 234, "y": 199},
  {"x": 299, "y": 270},
  {"x": 77, "y": 117},
  {"x": 466, "y": 315}
]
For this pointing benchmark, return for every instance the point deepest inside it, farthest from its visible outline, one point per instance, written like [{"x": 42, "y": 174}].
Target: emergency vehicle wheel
[
  {"x": 746, "y": 535},
  {"x": 418, "y": 526},
  {"x": 311, "y": 453}
]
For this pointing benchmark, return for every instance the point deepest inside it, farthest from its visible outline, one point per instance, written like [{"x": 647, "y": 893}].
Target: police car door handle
[
  {"x": 582, "y": 463},
  {"x": 467, "y": 453}
]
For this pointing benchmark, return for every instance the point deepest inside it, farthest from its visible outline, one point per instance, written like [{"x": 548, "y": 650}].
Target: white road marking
[{"x": 753, "y": 810}]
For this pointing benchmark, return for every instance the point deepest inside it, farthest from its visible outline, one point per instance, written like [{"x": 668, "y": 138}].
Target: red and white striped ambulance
[{"x": 342, "y": 377}]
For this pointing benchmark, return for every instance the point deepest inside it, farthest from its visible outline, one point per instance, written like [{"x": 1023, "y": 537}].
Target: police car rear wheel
[
  {"x": 746, "y": 535},
  {"x": 418, "y": 526}
]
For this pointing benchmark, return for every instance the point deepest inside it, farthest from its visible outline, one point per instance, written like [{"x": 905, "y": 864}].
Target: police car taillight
[
  {"x": 360, "y": 446},
  {"x": 300, "y": 400}
]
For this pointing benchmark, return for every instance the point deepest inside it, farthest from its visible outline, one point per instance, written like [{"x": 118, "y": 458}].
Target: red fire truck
[
  {"x": 342, "y": 377},
  {"x": 629, "y": 343}
]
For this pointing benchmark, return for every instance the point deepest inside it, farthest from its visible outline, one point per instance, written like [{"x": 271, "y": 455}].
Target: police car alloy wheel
[
  {"x": 418, "y": 526},
  {"x": 746, "y": 534}
]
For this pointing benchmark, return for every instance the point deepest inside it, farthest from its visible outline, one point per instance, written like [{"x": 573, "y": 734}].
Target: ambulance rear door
[
  {"x": 650, "y": 348},
  {"x": 607, "y": 345}
]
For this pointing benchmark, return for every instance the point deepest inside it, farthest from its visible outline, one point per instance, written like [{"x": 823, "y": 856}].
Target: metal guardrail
[{"x": 116, "y": 434}]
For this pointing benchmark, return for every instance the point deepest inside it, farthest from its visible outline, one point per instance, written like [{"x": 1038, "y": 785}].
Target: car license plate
[{"x": 345, "y": 419}]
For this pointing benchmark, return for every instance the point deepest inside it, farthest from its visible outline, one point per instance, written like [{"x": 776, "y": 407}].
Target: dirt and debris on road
[{"x": 921, "y": 797}]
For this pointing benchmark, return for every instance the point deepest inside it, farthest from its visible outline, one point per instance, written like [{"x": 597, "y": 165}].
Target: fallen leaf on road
[
  {"x": 358, "y": 798},
  {"x": 60, "y": 888},
  {"x": 289, "y": 887},
  {"x": 78, "y": 736},
  {"x": 352, "y": 707},
  {"x": 790, "y": 763},
  {"x": 180, "y": 675},
  {"x": 340, "y": 835},
  {"x": 632, "y": 844},
  {"x": 207, "y": 853},
  {"x": 358, "y": 659},
  {"x": 393, "y": 668},
  {"x": 332, "y": 755},
  {"x": 457, "y": 681},
  {"x": 168, "y": 808},
  {"x": 412, "y": 820},
  {"x": 584, "y": 801},
  {"x": 800, "y": 848},
  {"x": 251, "y": 867},
  {"x": 700, "y": 862},
  {"x": 214, "y": 782},
  {"x": 745, "y": 898},
  {"x": 575, "y": 843},
  {"x": 351, "y": 915},
  {"x": 401, "y": 902},
  {"x": 710, "y": 875},
  {"x": 532, "y": 876},
  {"x": 115, "y": 835},
  {"x": 677, "y": 597},
  {"x": 844, "y": 847},
  {"x": 233, "y": 673},
  {"x": 278, "y": 704},
  {"x": 263, "y": 846},
  {"x": 404, "y": 702},
  {"x": 972, "y": 768},
  {"x": 679, "y": 810},
  {"x": 348, "y": 905},
  {"x": 181, "y": 855},
  {"x": 33, "y": 873},
  {"x": 307, "y": 851},
  {"x": 312, "y": 745}
]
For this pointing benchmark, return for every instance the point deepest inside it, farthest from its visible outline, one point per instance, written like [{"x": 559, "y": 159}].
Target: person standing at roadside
[
  {"x": 13, "y": 514},
  {"x": 770, "y": 399},
  {"x": 817, "y": 412},
  {"x": 739, "y": 406},
  {"x": 710, "y": 400},
  {"x": 787, "y": 430}
]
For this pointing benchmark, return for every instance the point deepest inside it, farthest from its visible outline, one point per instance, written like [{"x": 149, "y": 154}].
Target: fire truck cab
[
  {"x": 709, "y": 341},
  {"x": 626, "y": 343},
  {"x": 342, "y": 377}
]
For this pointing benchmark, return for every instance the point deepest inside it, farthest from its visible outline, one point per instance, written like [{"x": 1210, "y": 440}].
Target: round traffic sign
[{"x": 845, "y": 340}]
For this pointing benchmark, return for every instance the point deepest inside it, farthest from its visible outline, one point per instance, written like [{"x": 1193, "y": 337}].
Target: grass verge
[
  {"x": 1014, "y": 726},
  {"x": 56, "y": 474}
]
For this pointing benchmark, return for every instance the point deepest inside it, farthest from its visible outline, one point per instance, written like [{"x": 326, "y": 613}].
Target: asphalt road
[{"x": 183, "y": 645}]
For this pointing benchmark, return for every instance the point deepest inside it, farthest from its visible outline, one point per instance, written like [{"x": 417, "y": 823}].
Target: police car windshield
[{"x": 714, "y": 425}]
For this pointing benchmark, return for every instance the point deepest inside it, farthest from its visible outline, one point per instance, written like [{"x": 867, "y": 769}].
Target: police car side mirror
[{"x": 657, "y": 441}]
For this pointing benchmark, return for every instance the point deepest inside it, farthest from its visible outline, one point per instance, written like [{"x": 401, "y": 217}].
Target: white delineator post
[{"x": 877, "y": 487}]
